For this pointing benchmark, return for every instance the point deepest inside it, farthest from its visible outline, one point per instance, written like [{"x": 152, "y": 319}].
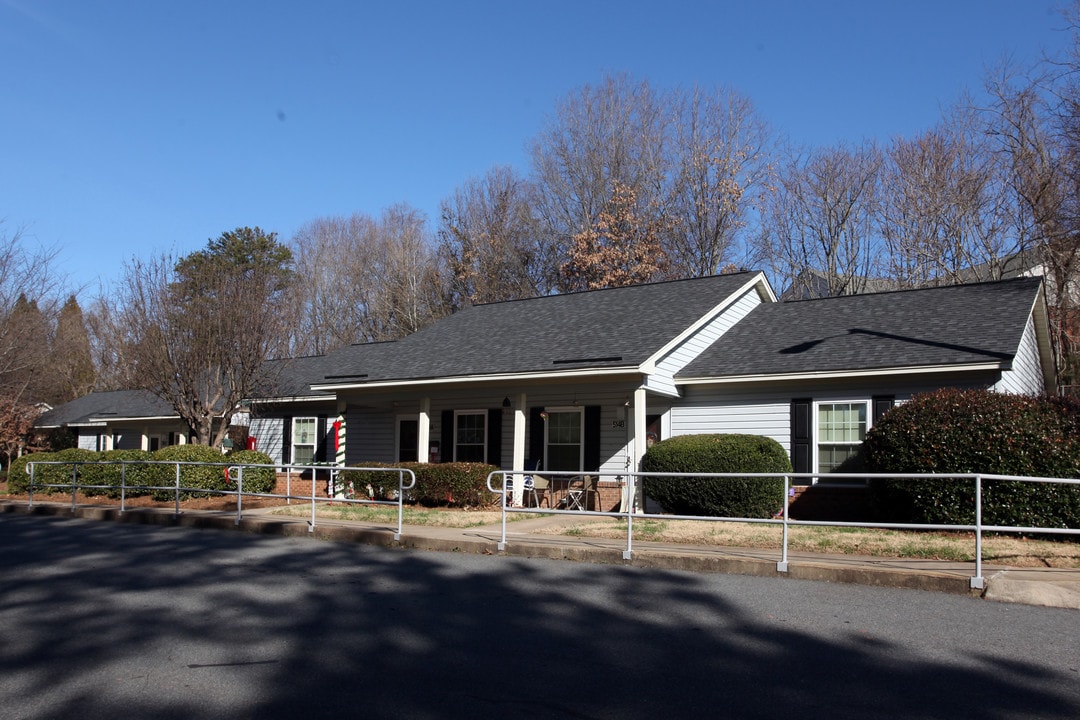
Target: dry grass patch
[
  {"x": 429, "y": 517},
  {"x": 958, "y": 547}
]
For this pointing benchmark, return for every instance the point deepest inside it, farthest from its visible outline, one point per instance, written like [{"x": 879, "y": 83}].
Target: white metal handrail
[
  {"x": 233, "y": 472},
  {"x": 631, "y": 480}
]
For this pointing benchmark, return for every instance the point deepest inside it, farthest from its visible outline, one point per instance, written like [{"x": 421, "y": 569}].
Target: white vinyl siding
[
  {"x": 267, "y": 434},
  {"x": 662, "y": 380},
  {"x": 1025, "y": 377}
]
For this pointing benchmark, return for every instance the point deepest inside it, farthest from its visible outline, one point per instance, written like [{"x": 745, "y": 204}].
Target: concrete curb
[{"x": 1049, "y": 588}]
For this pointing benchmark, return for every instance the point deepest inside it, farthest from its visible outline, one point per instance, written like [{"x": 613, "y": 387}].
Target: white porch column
[
  {"x": 519, "y": 450},
  {"x": 519, "y": 433},
  {"x": 640, "y": 434},
  {"x": 423, "y": 431}
]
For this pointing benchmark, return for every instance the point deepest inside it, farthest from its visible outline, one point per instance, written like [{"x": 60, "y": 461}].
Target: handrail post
[
  {"x": 631, "y": 489},
  {"x": 239, "y": 493},
  {"x": 502, "y": 517},
  {"x": 177, "y": 494},
  {"x": 311, "y": 527},
  {"x": 123, "y": 485},
  {"x": 30, "y": 472},
  {"x": 978, "y": 582},
  {"x": 74, "y": 485},
  {"x": 400, "y": 503},
  {"x": 782, "y": 566}
]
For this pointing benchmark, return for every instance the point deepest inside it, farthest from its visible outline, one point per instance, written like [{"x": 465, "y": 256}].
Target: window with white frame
[
  {"x": 470, "y": 435},
  {"x": 841, "y": 429},
  {"x": 304, "y": 440},
  {"x": 565, "y": 447}
]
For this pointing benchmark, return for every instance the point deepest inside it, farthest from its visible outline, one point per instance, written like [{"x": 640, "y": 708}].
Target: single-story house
[
  {"x": 118, "y": 420},
  {"x": 583, "y": 382}
]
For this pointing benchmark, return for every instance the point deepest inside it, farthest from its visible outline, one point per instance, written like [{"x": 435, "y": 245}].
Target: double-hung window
[
  {"x": 565, "y": 448},
  {"x": 304, "y": 441},
  {"x": 841, "y": 429},
  {"x": 470, "y": 436}
]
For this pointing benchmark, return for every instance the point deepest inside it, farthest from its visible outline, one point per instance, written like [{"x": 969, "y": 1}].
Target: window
[
  {"x": 841, "y": 429},
  {"x": 470, "y": 436},
  {"x": 304, "y": 440},
  {"x": 564, "y": 440}
]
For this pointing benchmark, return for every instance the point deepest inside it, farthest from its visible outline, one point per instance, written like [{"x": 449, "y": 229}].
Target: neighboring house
[
  {"x": 118, "y": 420},
  {"x": 289, "y": 421},
  {"x": 585, "y": 381}
]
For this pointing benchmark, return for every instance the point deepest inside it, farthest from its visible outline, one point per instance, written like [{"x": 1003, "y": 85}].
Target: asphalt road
[{"x": 107, "y": 620}]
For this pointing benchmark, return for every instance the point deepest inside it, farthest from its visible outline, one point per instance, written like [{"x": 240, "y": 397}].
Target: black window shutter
[
  {"x": 447, "y": 433},
  {"x": 592, "y": 438},
  {"x": 286, "y": 440},
  {"x": 536, "y": 435},
  {"x": 494, "y": 437},
  {"x": 801, "y": 435},
  {"x": 320, "y": 439},
  {"x": 881, "y": 405}
]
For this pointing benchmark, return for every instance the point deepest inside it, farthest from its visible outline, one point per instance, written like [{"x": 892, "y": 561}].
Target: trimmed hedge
[
  {"x": 977, "y": 431},
  {"x": 104, "y": 470},
  {"x": 437, "y": 484},
  {"x": 19, "y": 481},
  {"x": 109, "y": 476},
  {"x": 717, "y": 497}
]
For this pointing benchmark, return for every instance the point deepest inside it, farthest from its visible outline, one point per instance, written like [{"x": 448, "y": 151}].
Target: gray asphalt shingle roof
[
  {"x": 935, "y": 326},
  {"x": 105, "y": 406},
  {"x": 617, "y": 327}
]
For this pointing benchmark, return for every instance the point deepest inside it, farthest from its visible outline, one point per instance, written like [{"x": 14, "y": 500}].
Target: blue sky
[{"x": 137, "y": 127}]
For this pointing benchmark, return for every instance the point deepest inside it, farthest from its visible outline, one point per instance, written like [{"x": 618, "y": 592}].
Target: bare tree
[
  {"x": 336, "y": 261},
  {"x": 817, "y": 222},
  {"x": 721, "y": 155},
  {"x": 601, "y": 137},
  {"x": 945, "y": 213},
  {"x": 411, "y": 294},
  {"x": 1034, "y": 121},
  {"x": 362, "y": 279},
  {"x": 201, "y": 327},
  {"x": 489, "y": 240}
]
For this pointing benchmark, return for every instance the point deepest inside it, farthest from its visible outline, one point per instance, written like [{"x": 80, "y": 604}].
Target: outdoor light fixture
[{"x": 506, "y": 401}]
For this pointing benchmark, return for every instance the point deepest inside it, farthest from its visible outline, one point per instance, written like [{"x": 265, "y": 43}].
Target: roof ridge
[
  {"x": 929, "y": 288},
  {"x": 572, "y": 293}
]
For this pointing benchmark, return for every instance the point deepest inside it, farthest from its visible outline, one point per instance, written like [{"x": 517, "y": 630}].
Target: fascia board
[
  {"x": 842, "y": 374},
  {"x": 471, "y": 379},
  {"x": 759, "y": 280}
]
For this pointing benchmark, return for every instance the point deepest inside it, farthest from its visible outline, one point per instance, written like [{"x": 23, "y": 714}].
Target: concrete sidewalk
[{"x": 1046, "y": 587}]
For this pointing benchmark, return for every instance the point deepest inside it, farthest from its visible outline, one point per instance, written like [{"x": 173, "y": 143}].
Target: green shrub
[
  {"x": 437, "y": 484},
  {"x": 204, "y": 477},
  {"x": 256, "y": 479},
  {"x": 718, "y": 497},
  {"x": 977, "y": 431},
  {"x": 19, "y": 480},
  {"x": 107, "y": 476},
  {"x": 49, "y": 474}
]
